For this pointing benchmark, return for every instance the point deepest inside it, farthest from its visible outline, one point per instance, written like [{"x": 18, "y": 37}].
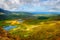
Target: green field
[{"x": 41, "y": 28}]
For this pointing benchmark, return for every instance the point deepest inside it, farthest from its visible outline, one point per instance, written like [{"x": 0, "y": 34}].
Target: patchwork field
[
  {"x": 46, "y": 30},
  {"x": 30, "y": 26}
]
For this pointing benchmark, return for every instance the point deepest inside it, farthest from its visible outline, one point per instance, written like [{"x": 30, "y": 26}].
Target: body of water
[{"x": 9, "y": 27}]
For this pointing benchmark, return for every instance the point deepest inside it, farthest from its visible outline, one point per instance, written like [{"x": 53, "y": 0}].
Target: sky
[{"x": 31, "y": 5}]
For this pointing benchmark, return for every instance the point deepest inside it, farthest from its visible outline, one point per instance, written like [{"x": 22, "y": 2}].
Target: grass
[
  {"x": 35, "y": 29},
  {"x": 48, "y": 30}
]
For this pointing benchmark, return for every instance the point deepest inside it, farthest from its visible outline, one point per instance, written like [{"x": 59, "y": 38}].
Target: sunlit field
[
  {"x": 29, "y": 26},
  {"x": 49, "y": 30},
  {"x": 42, "y": 30}
]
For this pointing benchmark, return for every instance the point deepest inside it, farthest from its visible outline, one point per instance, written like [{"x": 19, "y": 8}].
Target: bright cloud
[{"x": 31, "y": 5}]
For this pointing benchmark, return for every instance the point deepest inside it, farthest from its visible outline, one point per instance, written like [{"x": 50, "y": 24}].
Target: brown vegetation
[{"x": 4, "y": 35}]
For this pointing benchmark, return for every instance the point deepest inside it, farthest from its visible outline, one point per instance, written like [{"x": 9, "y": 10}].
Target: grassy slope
[
  {"x": 36, "y": 29},
  {"x": 48, "y": 30}
]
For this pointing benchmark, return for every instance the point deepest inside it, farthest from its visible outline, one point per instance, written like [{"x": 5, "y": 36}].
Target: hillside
[
  {"x": 4, "y": 35},
  {"x": 14, "y": 15},
  {"x": 29, "y": 26}
]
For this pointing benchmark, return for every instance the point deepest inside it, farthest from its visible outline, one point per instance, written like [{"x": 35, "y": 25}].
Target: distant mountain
[
  {"x": 21, "y": 15},
  {"x": 15, "y": 15},
  {"x": 4, "y": 11},
  {"x": 24, "y": 15}
]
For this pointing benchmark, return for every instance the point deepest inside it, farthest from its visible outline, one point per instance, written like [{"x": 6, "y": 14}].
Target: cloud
[
  {"x": 52, "y": 5},
  {"x": 31, "y": 5}
]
